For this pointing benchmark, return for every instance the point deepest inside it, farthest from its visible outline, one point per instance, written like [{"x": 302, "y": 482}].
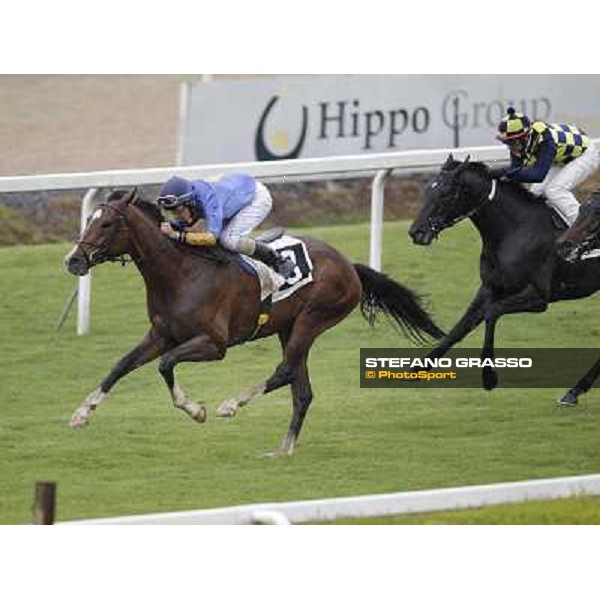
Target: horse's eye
[{"x": 105, "y": 225}]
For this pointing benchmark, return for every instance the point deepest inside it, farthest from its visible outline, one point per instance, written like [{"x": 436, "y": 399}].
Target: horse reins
[{"x": 202, "y": 253}]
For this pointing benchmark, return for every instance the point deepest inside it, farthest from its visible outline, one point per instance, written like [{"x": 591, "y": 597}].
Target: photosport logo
[{"x": 463, "y": 368}]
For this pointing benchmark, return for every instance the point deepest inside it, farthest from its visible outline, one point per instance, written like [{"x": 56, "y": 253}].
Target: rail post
[
  {"x": 85, "y": 282},
  {"x": 377, "y": 204}
]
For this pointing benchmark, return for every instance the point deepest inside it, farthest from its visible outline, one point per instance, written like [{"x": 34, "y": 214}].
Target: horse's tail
[{"x": 397, "y": 302}]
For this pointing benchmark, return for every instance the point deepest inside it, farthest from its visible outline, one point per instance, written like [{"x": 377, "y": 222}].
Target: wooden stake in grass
[{"x": 45, "y": 502}]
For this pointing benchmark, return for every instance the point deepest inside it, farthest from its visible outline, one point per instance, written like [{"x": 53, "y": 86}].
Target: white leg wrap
[
  {"x": 196, "y": 411},
  {"x": 179, "y": 399},
  {"x": 228, "y": 408},
  {"x": 83, "y": 414}
]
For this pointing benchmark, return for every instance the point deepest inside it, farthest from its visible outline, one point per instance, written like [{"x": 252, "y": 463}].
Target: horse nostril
[
  {"x": 76, "y": 265},
  {"x": 415, "y": 230}
]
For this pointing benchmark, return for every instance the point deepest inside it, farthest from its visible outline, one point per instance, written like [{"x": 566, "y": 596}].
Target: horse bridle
[
  {"x": 459, "y": 190},
  {"x": 99, "y": 249}
]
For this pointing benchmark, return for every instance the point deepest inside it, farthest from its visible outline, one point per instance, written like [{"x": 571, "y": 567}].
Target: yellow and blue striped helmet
[{"x": 514, "y": 125}]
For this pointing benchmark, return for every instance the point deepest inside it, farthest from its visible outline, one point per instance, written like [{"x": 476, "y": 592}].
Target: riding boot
[{"x": 284, "y": 266}]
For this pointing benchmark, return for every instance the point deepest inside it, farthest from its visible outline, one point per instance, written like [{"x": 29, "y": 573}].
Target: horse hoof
[
  {"x": 489, "y": 378},
  {"x": 278, "y": 454},
  {"x": 78, "y": 420},
  {"x": 226, "y": 410},
  {"x": 569, "y": 399},
  {"x": 200, "y": 415}
]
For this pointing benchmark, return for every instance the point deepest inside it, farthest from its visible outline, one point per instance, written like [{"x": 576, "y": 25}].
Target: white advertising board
[{"x": 306, "y": 116}]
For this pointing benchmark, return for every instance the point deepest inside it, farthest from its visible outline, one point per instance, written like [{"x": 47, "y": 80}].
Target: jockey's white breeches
[
  {"x": 561, "y": 180},
  {"x": 247, "y": 218}
]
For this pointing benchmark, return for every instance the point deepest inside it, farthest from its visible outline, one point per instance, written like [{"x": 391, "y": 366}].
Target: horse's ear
[
  {"x": 449, "y": 162},
  {"x": 132, "y": 196}
]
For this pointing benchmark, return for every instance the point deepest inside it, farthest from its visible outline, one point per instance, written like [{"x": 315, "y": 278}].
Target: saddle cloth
[{"x": 271, "y": 283}]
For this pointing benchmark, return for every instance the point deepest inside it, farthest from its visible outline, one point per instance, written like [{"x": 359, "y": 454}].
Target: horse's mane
[
  {"x": 478, "y": 167},
  {"x": 514, "y": 187},
  {"x": 152, "y": 212}
]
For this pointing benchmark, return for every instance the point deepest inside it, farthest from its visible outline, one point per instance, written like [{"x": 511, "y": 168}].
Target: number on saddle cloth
[{"x": 293, "y": 249}]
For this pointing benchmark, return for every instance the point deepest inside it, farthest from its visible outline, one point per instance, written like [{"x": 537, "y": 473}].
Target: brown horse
[
  {"x": 200, "y": 302},
  {"x": 584, "y": 233}
]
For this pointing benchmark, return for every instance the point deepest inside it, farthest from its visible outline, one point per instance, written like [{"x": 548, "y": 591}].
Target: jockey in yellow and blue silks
[
  {"x": 231, "y": 208},
  {"x": 553, "y": 157}
]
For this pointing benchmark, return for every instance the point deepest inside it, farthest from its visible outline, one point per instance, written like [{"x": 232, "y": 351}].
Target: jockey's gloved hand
[{"x": 498, "y": 172}]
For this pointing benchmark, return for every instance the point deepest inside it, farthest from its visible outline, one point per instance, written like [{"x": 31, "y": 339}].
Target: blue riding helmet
[{"x": 176, "y": 191}]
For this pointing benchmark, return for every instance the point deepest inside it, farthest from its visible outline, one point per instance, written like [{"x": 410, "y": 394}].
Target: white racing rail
[
  {"x": 380, "y": 505},
  {"x": 285, "y": 171},
  {"x": 382, "y": 165}
]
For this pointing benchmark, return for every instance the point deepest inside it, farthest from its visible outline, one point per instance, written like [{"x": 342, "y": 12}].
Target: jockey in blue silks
[{"x": 231, "y": 208}]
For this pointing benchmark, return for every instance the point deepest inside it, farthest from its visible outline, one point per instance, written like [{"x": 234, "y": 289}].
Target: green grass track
[{"x": 140, "y": 455}]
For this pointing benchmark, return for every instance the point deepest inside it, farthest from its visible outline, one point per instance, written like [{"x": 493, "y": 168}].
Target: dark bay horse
[
  {"x": 200, "y": 303},
  {"x": 519, "y": 267},
  {"x": 584, "y": 234}
]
